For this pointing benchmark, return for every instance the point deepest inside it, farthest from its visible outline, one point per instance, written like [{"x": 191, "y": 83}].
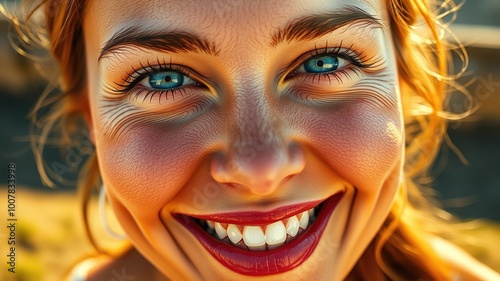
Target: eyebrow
[
  {"x": 301, "y": 29},
  {"x": 177, "y": 41},
  {"x": 314, "y": 26}
]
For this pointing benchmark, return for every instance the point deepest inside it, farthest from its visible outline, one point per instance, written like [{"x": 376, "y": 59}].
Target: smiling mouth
[
  {"x": 261, "y": 237},
  {"x": 262, "y": 243}
]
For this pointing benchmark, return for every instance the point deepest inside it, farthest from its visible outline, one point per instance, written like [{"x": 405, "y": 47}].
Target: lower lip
[{"x": 261, "y": 263}]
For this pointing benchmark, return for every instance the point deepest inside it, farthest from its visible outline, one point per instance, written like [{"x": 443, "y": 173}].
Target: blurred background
[{"x": 49, "y": 222}]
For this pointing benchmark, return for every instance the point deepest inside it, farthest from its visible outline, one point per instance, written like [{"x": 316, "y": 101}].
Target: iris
[
  {"x": 166, "y": 80},
  {"x": 321, "y": 64}
]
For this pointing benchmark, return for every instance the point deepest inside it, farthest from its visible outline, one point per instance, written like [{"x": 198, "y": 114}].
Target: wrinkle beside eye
[{"x": 378, "y": 91}]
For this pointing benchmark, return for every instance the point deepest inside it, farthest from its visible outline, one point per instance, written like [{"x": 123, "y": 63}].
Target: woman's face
[{"x": 246, "y": 139}]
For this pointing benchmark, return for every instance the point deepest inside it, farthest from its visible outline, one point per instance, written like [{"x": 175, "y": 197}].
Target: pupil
[
  {"x": 319, "y": 63},
  {"x": 168, "y": 78}
]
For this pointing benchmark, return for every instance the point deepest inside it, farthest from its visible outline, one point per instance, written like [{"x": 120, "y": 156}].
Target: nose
[{"x": 258, "y": 158}]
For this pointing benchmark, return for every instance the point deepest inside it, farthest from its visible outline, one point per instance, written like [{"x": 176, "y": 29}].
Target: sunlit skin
[{"x": 253, "y": 132}]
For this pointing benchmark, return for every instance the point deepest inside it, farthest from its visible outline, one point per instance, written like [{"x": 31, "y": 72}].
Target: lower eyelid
[
  {"x": 344, "y": 77},
  {"x": 142, "y": 94}
]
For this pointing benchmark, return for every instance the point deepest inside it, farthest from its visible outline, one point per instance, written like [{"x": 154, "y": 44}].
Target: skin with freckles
[{"x": 251, "y": 128}]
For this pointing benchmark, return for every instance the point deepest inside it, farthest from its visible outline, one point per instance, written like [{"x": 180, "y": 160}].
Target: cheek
[
  {"x": 147, "y": 167},
  {"x": 360, "y": 142}
]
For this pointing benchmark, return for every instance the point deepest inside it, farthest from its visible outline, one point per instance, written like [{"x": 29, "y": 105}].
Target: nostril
[
  {"x": 289, "y": 177},
  {"x": 235, "y": 186},
  {"x": 218, "y": 171}
]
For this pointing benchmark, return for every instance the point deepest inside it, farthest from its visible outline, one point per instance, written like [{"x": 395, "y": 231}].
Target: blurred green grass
[{"x": 50, "y": 235}]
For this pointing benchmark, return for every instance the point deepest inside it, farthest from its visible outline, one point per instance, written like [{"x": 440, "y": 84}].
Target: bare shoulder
[
  {"x": 129, "y": 266},
  {"x": 466, "y": 266}
]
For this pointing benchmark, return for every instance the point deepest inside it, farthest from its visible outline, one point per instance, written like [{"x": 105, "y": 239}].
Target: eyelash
[
  {"x": 138, "y": 75},
  {"x": 358, "y": 60}
]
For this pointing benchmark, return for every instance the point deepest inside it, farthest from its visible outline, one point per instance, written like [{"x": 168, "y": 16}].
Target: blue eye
[
  {"x": 168, "y": 80},
  {"x": 322, "y": 64}
]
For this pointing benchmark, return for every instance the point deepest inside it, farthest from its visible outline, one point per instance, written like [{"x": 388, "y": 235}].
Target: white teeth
[
  {"x": 234, "y": 234},
  {"x": 254, "y": 238},
  {"x": 292, "y": 226},
  {"x": 220, "y": 230},
  {"x": 258, "y": 248},
  {"x": 304, "y": 220},
  {"x": 210, "y": 224},
  {"x": 275, "y": 234}
]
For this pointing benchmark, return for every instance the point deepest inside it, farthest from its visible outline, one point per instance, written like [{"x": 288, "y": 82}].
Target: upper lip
[{"x": 258, "y": 217}]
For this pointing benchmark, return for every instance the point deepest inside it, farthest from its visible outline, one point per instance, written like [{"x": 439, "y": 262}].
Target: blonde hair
[{"x": 400, "y": 250}]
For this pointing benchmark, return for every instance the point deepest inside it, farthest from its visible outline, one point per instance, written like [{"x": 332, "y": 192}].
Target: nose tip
[{"x": 258, "y": 170}]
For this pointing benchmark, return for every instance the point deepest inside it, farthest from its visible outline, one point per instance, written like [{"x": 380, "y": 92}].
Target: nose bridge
[
  {"x": 258, "y": 155},
  {"x": 256, "y": 133},
  {"x": 258, "y": 152},
  {"x": 255, "y": 123}
]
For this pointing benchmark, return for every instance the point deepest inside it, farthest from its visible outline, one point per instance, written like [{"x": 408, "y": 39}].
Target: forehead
[{"x": 219, "y": 21}]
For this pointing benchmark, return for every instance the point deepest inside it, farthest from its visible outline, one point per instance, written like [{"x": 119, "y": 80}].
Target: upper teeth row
[{"x": 255, "y": 238}]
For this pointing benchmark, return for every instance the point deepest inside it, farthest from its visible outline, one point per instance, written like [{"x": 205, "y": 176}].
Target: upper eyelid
[
  {"x": 301, "y": 59},
  {"x": 152, "y": 69},
  {"x": 340, "y": 51}
]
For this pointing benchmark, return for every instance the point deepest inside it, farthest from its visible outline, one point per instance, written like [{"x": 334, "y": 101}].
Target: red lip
[
  {"x": 257, "y": 218},
  {"x": 261, "y": 263}
]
